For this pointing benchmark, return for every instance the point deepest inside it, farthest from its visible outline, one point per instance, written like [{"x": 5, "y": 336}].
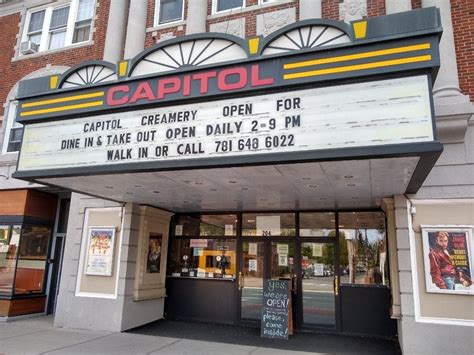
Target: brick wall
[
  {"x": 416, "y": 4},
  {"x": 375, "y": 8},
  {"x": 330, "y": 9},
  {"x": 12, "y": 71},
  {"x": 462, "y": 13}
]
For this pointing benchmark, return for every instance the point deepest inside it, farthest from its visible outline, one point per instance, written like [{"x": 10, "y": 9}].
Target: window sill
[
  {"x": 53, "y": 51},
  {"x": 201, "y": 278},
  {"x": 239, "y": 10},
  {"x": 166, "y": 25}
]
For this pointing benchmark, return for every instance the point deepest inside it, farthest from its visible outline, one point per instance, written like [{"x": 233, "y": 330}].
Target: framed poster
[
  {"x": 447, "y": 255},
  {"x": 154, "y": 253},
  {"x": 100, "y": 251}
]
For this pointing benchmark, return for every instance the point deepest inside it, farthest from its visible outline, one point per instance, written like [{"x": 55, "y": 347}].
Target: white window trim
[
  {"x": 214, "y": 7},
  {"x": 263, "y": 2},
  {"x": 9, "y": 125},
  {"x": 156, "y": 21},
  {"x": 45, "y": 33}
]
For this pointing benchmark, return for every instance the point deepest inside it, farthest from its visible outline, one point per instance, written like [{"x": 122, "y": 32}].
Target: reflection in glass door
[
  {"x": 251, "y": 279},
  {"x": 283, "y": 254},
  {"x": 317, "y": 269}
]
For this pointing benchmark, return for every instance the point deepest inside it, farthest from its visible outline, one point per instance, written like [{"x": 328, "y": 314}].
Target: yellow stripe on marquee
[
  {"x": 62, "y": 108},
  {"x": 342, "y": 58},
  {"x": 385, "y": 63},
  {"x": 63, "y": 99}
]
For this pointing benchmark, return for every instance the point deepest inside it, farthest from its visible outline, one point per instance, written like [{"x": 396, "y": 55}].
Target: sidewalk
[{"x": 37, "y": 335}]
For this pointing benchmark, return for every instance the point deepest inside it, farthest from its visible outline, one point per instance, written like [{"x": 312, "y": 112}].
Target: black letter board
[{"x": 276, "y": 308}]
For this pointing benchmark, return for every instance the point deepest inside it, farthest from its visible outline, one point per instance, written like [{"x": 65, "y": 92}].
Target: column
[
  {"x": 447, "y": 82},
  {"x": 394, "y": 6},
  {"x": 310, "y": 9},
  {"x": 197, "y": 15},
  {"x": 136, "y": 28},
  {"x": 115, "y": 31}
]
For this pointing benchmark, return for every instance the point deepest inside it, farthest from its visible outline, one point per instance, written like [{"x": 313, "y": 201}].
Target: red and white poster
[{"x": 447, "y": 254}]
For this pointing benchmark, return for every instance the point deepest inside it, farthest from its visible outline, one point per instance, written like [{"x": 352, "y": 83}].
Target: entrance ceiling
[{"x": 323, "y": 185}]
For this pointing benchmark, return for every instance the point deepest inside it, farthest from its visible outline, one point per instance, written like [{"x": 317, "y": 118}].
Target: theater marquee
[
  {"x": 316, "y": 90},
  {"x": 303, "y": 120}
]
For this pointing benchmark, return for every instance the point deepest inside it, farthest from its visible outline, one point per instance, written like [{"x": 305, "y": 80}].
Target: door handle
[
  {"x": 295, "y": 283},
  {"x": 336, "y": 285},
  {"x": 241, "y": 281}
]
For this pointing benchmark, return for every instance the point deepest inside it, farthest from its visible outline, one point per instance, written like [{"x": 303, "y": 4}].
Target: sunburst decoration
[
  {"x": 88, "y": 75},
  {"x": 306, "y": 37},
  {"x": 189, "y": 54}
]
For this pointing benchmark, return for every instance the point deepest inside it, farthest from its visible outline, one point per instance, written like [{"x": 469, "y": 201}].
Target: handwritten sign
[{"x": 276, "y": 309}]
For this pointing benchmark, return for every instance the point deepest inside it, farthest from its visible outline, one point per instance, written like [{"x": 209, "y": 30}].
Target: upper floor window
[
  {"x": 167, "y": 11},
  {"x": 57, "y": 26},
  {"x": 13, "y": 131},
  {"x": 266, "y": 1},
  {"x": 225, "y": 5}
]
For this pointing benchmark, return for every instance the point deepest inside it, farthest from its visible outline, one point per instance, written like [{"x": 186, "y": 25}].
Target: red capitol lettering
[{"x": 226, "y": 80}]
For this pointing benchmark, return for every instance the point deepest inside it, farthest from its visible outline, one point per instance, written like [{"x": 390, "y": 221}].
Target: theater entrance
[
  {"x": 304, "y": 256},
  {"x": 335, "y": 261}
]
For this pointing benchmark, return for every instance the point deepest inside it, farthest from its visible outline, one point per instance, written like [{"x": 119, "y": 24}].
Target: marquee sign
[
  {"x": 303, "y": 120},
  {"x": 314, "y": 90}
]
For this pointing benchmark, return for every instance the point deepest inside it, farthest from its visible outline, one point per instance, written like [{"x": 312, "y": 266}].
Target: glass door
[
  {"x": 251, "y": 279},
  {"x": 318, "y": 290}
]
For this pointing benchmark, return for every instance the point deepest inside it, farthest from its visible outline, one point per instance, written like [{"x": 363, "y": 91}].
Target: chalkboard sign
[{"x": 276, "y": 310}]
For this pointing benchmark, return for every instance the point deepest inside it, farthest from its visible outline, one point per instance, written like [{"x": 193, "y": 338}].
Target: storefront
[
  {"x": 337, "y": 263},
  {"x": 26, "y": 230},
  {"x": 266, "y": 158}
]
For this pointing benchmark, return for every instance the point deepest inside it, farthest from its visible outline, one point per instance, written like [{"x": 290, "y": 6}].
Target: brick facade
[
  {"x": 462, "y": 13},
  {"x": 12, "y": 70}
]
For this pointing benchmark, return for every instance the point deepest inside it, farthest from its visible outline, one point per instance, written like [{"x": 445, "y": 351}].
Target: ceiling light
[
  {"x": 156, "y": 192},
  {"x": 348, "y": 177}
]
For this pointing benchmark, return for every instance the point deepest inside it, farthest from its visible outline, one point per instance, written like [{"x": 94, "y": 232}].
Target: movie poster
[
  {"x": 447, "y": 254},
  {"x": 100, "y": 251},
  {"x": 154, "y": 253}
]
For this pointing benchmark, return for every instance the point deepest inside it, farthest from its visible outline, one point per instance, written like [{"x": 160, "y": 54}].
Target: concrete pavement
[{"x": 38, "y": 336}]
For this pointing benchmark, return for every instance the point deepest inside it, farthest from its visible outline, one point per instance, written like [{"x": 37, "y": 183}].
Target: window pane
[
  {"x": 32, "y": 260},
  {"x": 14, "y": 143},
  {"x": 206, "y": 225},
  {"x": 59, "y": 17},
  {"x": 16, "y": 134},
  {"x": 85, "y": 10},
  {"x": 268, "y": 224},
  {"x": 36, "y": 38},
  {"x": 36, "y": 21},
  {"x": 82, "y": 32},
  {"x": 363, "y": 248},
  {"x": 317, "y": 224},
  {"x": 57, "y": 39},
  {"x": 229, "y": 4},
  {"x": 202, "y": 258},
  {"x": 8, "y": 252},
  {"x": 170, "y": 10}
]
